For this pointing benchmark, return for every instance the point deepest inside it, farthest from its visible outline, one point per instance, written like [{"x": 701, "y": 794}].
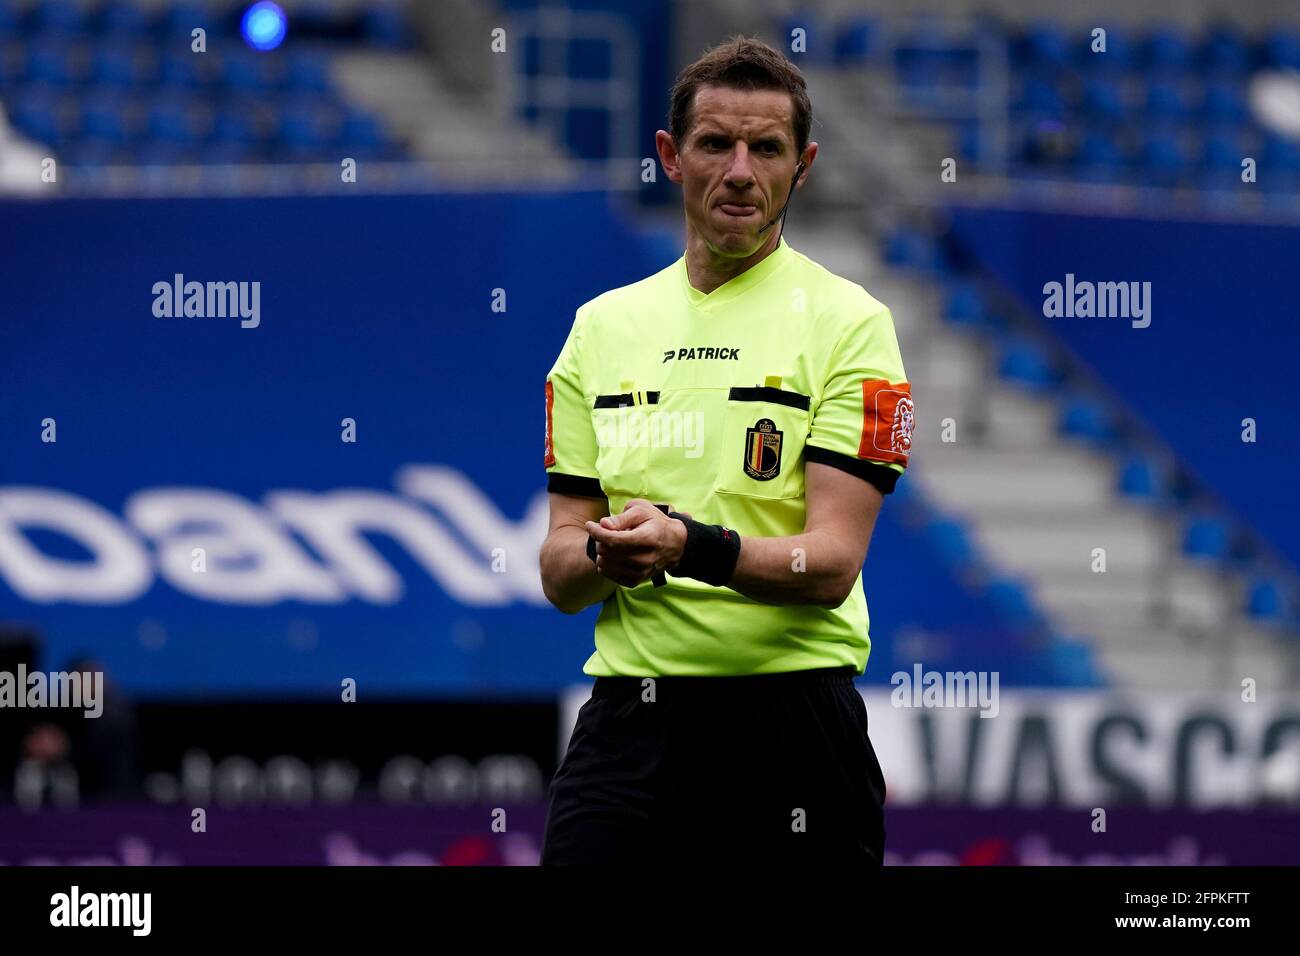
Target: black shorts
[{"x": 771, "y": 768}]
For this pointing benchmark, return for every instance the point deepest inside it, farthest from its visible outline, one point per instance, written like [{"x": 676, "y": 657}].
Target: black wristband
[
  {"x": 591, "y": 548},
  {"x": 710, "y": 554}
]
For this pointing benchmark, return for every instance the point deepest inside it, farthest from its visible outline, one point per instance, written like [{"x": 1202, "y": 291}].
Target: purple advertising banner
[
  {"x": 1131, "y": 837},
  {"x": 142, "y": 835},
  {"x": 359, "y": 834}
]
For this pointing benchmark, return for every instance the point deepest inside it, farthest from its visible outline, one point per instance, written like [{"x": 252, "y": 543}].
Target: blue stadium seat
[
  {"x": 1281, "y": 181},
  {"x": 180, "y": 19},
  {"x": 1039, "y": 96},
  {"x": 531, "y": 59},
  {"x": 1026, "y": 149},
  {"x": 1073, "y": 662},
  {"x": 964, "y": 306},
  {"x": 94, "y": 152},
  {"x": 590, "y": 59},
  {"x": 1280, "y": 154},
  {"x": 1024, "y": 363},
  {"x": 1221, "y": 155},
  {"x": 176, "y": 121},
  {"x": 929, "y": 61},
  {"x": 362, "y": 136},
  {"x": 1168, "y": 99},
  {"x": 159, "y": 153},
  {"x": 122, "y": 66},
  {"x": 586, "y": 131},
  {"x": 1225, "y": 50},
  {"x": 1207, "y": 538},
  {"x": 926, "y": 42},
  {"x": 307, "y": 131},
  {"x": 301, "y": 128},
  {"x": 106, "y": 117},
  {"x": 182, "y": 70},
  {"x": 1102, "y": 99},
  {"x": 308, "y": 72},
  {"x": 1046, "y": 44},
  {"x": 1168, "y": 47},
  {"x": 233, "y": 126},
  {"x": 13, "y": 64},
  {"x": 124, "y": 19},
  {"x": 228, "y": 152},
  {"x": 1224, "y": 101},
  {"x": 913, "y": 73},
  {"x": 855, "y": 41},
  {"x": 1100, "y": 157},
  {"x": 912, "y": 248},
  {"x": 59, "y": 18},
  {"x": 251, "y": 73},
  {"x": 1036, "y": 169},
  {"x": 1164, "y": 158},
  {"x": 1087, "y": 419},
  {"x": 53, "y": 63},
  {"x": 1282, "y": 48},
  {"x": 34, "y": 110},
  {"x": 968, "y": 141},
  {"x": 1266, "y": 600},
  {"x": 384, "y": 25},
  {"x": 1141, "y": 477}
]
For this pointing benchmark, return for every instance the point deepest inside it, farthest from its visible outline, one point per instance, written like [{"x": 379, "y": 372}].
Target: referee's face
[{"x": 735, "y": 166}]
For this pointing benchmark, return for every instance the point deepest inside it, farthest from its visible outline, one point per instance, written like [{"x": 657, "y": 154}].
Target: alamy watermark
[
  {"x": 922, "y": 688},
  {"x": 79, "y": 690},
  {"x": 1102, "y": 300},
  {"x": 208, "y": 300},
  {"x": 132, "y": 911},
  {"x": 633, "y": 428}
]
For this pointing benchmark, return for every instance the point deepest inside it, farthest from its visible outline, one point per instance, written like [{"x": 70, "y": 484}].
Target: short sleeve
[
  {"x": 570, "y": 457},
  {"x": 863, "y": 423}
]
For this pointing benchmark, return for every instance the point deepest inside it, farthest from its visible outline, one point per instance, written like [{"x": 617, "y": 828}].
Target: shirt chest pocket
[
  {"x": 621, "y": 423},
  {"x": 764, "y": 431}
]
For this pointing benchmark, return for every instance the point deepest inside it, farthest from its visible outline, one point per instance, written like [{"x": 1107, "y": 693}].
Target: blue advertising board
[{"x": 355, "y": 445}]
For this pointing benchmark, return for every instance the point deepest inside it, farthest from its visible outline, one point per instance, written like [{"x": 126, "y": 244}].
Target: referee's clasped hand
[{"x": 637, "y": 544}]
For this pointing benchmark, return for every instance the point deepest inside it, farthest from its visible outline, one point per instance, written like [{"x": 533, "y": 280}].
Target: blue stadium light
[{"x": 264, "y": 26}]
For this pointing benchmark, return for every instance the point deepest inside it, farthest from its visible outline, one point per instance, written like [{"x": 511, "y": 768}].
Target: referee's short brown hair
[{"x": 741, "y": 63}]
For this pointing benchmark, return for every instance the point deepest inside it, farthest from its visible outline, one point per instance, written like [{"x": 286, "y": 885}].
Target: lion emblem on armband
[{"x": 900, "y": 433}]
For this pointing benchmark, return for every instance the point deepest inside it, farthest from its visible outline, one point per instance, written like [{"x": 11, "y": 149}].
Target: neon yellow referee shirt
[{"x": 713, "y": 404}]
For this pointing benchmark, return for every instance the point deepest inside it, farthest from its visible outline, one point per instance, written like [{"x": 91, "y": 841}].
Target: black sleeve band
[
  {"x": 880, "y": 476},
  {"x": 563, "y": 484},
  {"x": 710, "y": 554}
]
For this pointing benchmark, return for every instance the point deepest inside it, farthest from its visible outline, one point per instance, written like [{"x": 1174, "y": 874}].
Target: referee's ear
[
  {"x": 806, "y": 158},
  {"x": 668, "y": 157}
]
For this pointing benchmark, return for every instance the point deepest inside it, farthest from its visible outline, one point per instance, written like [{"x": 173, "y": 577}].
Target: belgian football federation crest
[{"x": 763, "y": 450}]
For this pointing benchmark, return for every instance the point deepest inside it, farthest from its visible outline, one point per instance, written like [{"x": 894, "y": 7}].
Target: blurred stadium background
[{"x": 1089, "y": 514}]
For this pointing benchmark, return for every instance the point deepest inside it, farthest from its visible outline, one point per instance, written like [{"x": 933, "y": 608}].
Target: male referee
[{"x": 761, "y": 401}]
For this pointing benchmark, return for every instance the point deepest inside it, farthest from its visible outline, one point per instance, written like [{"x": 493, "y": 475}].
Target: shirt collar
[{"x": 737, "y": 285}]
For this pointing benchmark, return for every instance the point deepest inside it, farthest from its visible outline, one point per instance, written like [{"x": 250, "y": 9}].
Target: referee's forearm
[
  {"x": 570, "y": 580},
  {"x": 809, "y": 568}
]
